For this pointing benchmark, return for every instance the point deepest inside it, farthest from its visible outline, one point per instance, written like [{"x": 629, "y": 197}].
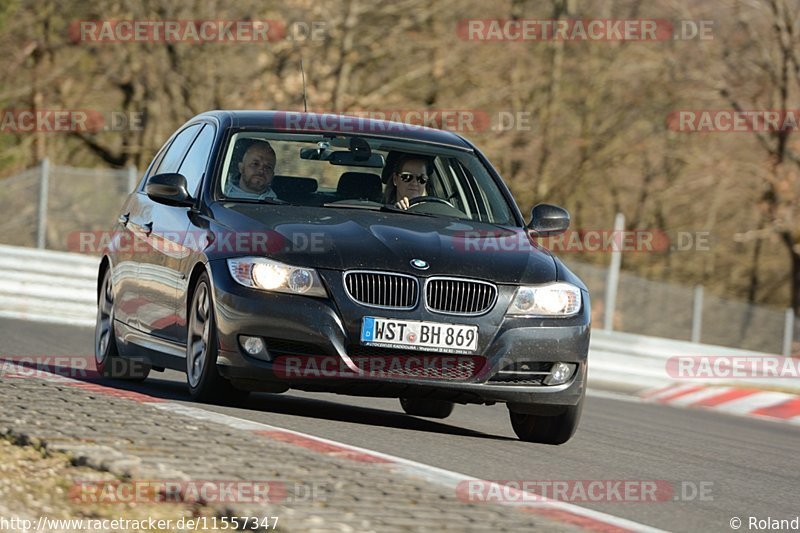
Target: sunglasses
[{"x": 408, "y": 176}]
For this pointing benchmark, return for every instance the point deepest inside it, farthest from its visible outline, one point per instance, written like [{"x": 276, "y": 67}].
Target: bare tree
[{"x": 764, "y": 74}]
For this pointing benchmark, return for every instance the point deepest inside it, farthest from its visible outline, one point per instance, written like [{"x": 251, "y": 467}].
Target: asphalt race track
[{"x": 751, "y": 463}]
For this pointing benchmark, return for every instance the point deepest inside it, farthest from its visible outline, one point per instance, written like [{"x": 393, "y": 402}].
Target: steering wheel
[{"x": 432, "y": 199}]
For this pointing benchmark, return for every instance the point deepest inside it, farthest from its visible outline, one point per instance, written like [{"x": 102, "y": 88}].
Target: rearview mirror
[
  {"x": 547, "y": 219},
  {"x": 356, "y": 159},
  {"x": 169, "y": 189}
]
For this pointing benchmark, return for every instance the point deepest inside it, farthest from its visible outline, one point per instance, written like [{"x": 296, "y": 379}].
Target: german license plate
[{"x": 416, "y": 335}]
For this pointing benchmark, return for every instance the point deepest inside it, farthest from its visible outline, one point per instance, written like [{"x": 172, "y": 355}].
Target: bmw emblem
[{"x": 419, "y": 264}]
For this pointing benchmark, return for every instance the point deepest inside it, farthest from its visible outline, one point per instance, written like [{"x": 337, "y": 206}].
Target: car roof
[{"x": 300, "y": 122}]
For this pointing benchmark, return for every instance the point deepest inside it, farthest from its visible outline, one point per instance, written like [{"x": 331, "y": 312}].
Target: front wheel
[
  {"x": 426, "y": 408},
  {"x": 205, "y": 383},
  {"x": 107, "y": 360},
  {"x": 547, "y": 429}
]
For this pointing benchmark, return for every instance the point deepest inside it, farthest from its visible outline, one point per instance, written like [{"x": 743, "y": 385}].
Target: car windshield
[{"x": 360, "y": 172}]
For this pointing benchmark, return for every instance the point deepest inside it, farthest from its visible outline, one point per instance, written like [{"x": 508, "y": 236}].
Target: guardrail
[
  {"x": 44, "y": 285},
  {"x": 60, "y": 287},
  {"x": 633, "y": 362}
]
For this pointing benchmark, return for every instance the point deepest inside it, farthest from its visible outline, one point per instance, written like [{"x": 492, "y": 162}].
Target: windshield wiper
[
  {"x": 371, "y": 206},
  {"x": 392, "y": 209},
  {"x": 269, "y": 201}
]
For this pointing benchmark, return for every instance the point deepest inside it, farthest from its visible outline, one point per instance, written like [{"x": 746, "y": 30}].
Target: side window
[
  {"x": 195, "y": 163},
  {"x": 159, "y": 157},
  {"x": 174, "y": 156},
  {"x": 153, "y": 166}
]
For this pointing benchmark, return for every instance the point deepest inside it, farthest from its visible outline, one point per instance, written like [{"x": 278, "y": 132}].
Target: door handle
[
  {"x": 123, "y": 219},
  {"x": 148, "y": 228}
]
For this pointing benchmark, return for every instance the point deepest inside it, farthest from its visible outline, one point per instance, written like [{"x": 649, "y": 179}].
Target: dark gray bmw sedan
[{"x": 268, "y": 251}]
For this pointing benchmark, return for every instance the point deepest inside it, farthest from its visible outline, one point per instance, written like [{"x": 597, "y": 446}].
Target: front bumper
[{"x": 330, "y": 328}]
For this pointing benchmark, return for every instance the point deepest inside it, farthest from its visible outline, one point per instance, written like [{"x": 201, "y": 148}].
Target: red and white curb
[
  {"x": 562, "y": 512},
  {"x": 776, "y": 406}
]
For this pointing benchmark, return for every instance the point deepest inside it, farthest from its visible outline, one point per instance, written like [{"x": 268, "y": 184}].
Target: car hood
[{"x": 344, "y": 239}]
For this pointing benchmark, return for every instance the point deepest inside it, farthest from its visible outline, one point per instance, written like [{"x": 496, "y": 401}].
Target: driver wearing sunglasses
[{"x": 408, "y": 181}]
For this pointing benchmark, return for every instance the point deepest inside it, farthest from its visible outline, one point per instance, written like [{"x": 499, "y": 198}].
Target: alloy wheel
[{"x": 199, "y": 327}]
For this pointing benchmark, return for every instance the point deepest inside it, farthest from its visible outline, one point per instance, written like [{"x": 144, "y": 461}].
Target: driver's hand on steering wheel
[{"x": 403, "y": 204}]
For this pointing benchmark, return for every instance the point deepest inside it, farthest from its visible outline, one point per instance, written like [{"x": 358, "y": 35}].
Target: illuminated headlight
[
  {"x": 261, "y": 273},
  {"x": 560, "y": 373},
  {"x": 554, "y": 299},
  {"x": 252, "y": 345}
]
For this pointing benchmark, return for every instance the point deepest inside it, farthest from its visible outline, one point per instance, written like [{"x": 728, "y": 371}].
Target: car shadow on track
[
  {"x": 327, "y": 410},
  {"x": 286, "y": 404}
]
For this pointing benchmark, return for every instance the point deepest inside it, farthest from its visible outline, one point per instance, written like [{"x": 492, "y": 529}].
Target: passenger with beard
[{"x": 256, "y": 172}]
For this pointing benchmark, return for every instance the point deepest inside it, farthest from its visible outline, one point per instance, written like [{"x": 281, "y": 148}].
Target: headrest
[
  {"x": 360, "y": 185},
  {"x": 283, "y": 185}
]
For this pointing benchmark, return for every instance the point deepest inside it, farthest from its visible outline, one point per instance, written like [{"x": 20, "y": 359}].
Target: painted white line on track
[
  {"x": 211, "y": 416},
  {"x": 429, "y": 473}
]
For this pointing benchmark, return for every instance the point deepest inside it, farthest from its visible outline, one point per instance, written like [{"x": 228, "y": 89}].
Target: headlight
[
  {"x": 261, "y": 273},
  {"x": 554, "y": 299}
]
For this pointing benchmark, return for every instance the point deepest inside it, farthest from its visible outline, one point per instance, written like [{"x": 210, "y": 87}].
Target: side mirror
[
  {"x": 547, "y": 219},
  {"x": 169, "y": 189}
]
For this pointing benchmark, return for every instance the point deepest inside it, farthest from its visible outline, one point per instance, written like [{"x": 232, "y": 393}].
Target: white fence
[
  {"x": 50, "y": 286},
  {"x": 60, "y": 287},
  {"x": 633, "y": 362}
]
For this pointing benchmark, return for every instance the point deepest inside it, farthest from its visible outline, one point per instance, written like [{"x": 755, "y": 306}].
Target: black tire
[
  {"x": 547, "y": 429},
  {"x": 205, "y": 382},
  {"x": 108, "y": 362},
  {"x": 426, "y": 408}
]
